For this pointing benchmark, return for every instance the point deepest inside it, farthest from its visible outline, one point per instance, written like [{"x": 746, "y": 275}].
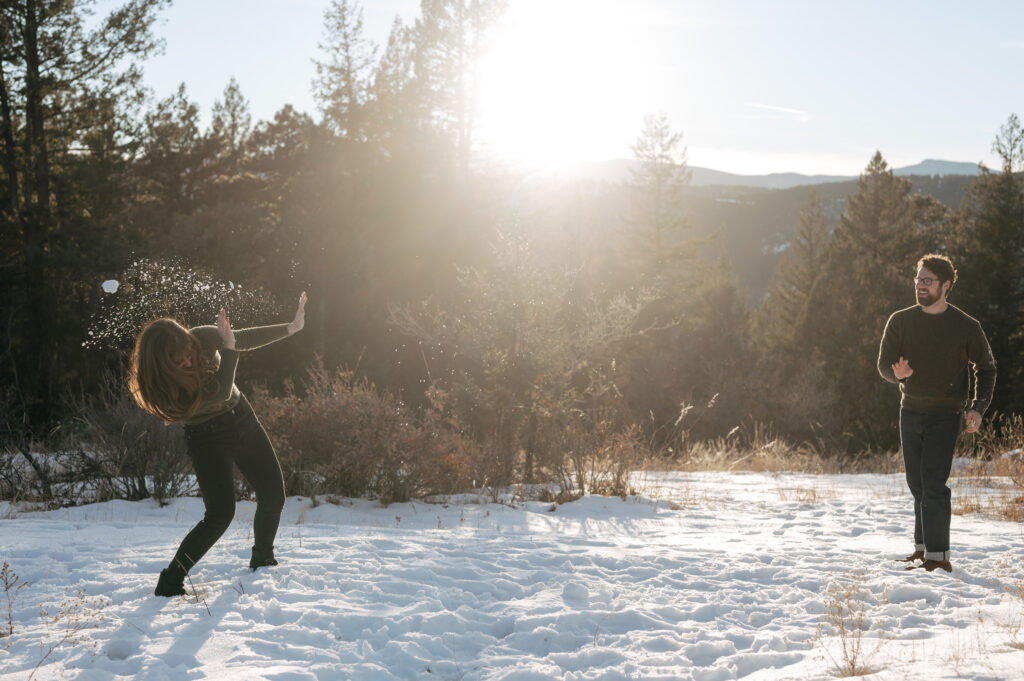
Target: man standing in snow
[{"x": 930, "y": 349}]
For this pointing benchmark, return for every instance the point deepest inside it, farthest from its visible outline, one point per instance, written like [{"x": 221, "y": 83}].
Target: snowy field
[{"x": 706, "y": 576}]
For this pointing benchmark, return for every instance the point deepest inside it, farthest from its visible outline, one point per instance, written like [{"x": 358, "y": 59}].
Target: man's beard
[{"x": 925, "y": 298}]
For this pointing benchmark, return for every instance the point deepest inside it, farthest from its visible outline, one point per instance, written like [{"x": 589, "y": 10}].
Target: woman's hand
[
  {"x": 300, "y": 316},
  {"x": 227, "y": 336}
]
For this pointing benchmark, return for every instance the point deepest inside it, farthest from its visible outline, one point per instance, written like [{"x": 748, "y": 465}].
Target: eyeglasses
[{"x": 925, "y": 281}]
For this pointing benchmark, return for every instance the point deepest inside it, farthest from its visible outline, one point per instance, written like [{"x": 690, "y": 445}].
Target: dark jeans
[
  {"x": 928, "y": 443},
  {"x": 215, "y": 447}
]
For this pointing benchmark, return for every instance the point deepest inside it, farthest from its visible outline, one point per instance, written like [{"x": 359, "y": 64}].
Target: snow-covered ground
[{"x": 706, "y": 576}]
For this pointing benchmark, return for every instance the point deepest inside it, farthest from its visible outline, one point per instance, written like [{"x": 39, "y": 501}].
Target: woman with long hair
[{"x": 188, "y": 376}]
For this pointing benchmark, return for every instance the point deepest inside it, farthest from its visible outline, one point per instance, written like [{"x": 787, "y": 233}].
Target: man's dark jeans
[
  {"x": 215, "y": 447},
  {"x": 928, "y": 443}
]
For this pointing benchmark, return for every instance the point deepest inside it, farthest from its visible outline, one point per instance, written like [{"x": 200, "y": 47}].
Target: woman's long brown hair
[{"x": 156, "y": 380}]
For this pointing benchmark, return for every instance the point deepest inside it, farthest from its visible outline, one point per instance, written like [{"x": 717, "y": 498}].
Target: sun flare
[{"x": 561, "y": 82}]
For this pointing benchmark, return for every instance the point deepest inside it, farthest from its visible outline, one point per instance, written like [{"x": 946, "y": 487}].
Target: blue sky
[{"x": 755, "y": 87}]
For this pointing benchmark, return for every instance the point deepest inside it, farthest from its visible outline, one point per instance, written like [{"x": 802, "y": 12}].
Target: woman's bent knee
[{"x": 219, "y": 519}]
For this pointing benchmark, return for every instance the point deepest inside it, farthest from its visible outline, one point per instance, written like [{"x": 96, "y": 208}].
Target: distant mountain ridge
[
  {"x": 931, "y": 166},
  {"x": 617, "y": 170}
]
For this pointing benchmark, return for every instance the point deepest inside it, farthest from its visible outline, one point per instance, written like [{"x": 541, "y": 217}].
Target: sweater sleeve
[
  {"x": 889, "y": 350},
  {"x": 980, "y": 355},
  {"x": 224, "y": 378},
  {"x": 258, "y": 336}
]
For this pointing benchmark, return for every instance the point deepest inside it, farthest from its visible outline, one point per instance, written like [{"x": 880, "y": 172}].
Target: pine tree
[
  {"x": 875, "y": 248},
  {"x": 698, "y": 322},
  {"x": 392, "y": 107},
  {"x": 61, "y": 85},
  {"x": 656, "y": 221},
  {"x": 990, "y": 261},
  {"x": 232, "y": 122},
  {"x": 450, "y": 39},
  {"x": 344, "y": 79},
  {"x": 793, "y": 328},
  {"x": 797, "y": 291},
  {"x": 173, "y": 165}
]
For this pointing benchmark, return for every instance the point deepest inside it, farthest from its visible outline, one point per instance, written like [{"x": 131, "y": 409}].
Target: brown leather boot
[
  {"x": 932, "y": 565},
  {"x": 916, "y": 555}
]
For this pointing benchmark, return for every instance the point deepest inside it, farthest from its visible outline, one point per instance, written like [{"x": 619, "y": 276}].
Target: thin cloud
[{"x": 801, "y": 116}]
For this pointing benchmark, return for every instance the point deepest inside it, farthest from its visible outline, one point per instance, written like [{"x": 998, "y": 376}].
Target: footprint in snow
[
  {"x": 120, "y": 649},
  {"x": 575, "y": 593}
]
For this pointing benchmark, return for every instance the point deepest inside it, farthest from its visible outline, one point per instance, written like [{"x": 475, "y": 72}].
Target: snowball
[{"x": 110, "y": 285}]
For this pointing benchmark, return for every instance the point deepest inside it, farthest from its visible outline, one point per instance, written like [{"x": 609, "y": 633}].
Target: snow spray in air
[{"x": 150, "y": 288}]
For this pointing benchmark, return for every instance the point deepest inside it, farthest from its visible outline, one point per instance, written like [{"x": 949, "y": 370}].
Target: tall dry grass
[
  {"x": 758, "y": 449},
  {"x": 992, "y": 481}
]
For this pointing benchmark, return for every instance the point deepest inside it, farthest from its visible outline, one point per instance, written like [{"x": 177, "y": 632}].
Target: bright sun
[{"x": 562, "y": 84}]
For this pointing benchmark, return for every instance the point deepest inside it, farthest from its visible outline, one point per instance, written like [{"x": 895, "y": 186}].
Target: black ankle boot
[
  {"x": 261, "y": 558},
  {"x": 171, "y": 583}
]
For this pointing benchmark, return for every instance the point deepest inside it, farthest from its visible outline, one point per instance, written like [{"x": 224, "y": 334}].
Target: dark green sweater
[
  {"x": 221, "y": 393},
  {"x": 941, "y": 349}
]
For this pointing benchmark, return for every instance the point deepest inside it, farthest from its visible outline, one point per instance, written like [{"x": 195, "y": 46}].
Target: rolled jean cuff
[
  {"x": 936, "y": 555},
  {"x": 919, "y": 547}
]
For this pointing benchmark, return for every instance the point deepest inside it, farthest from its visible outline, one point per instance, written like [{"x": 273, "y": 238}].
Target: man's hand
[
  {"x": 300, "y": 316},
  {"x": 902, "y": 370},
  {"x": 973, "y": 422}
]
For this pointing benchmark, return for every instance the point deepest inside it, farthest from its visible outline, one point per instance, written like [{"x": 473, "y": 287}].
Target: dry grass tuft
[
  {"x": 993, "y": 484},
  {"x": 805, "y": 495},
  {"x": 1014, "y": 588},
  {"x": 846, "y": 618},
  {"x": 69, "y": 621},
  {"x": 12, "y": 585},
  {"x": 762, "y": 452},
  {"x": 968, "y": 501}
]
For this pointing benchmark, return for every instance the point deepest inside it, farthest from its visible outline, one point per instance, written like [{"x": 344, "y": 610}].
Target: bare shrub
[
  {"x": 600, "y": 460},
  {"x": 345, "y": 436},
  {"x": 450, "y": 461},
  {"x": 12, "y": 475},
  {"x": 122, "y": 451},
  {"x": 25, "y": 469},
  {"x": 40, "y": 471}
]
